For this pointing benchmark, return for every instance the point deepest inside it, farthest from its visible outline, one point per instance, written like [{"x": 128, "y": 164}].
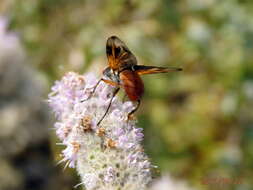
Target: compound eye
[{"x": 117, "y": 51}]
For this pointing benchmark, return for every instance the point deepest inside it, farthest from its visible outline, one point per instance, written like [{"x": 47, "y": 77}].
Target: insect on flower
[{"x": 123, "y": 72}]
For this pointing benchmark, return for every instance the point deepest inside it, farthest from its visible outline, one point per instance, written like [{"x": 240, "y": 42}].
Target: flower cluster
[{"x": 108, "y": 156}]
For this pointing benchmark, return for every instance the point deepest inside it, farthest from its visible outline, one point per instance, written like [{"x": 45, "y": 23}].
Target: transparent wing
[{"x": 143, "y": 69}]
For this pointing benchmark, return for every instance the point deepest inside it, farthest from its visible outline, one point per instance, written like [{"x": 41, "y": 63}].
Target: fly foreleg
[{"x": 93, "y": 91}]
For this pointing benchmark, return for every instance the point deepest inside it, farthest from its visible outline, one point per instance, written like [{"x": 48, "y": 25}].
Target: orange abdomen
[{"x": 132, "y": 84}]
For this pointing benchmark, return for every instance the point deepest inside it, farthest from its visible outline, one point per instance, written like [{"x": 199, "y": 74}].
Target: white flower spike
[{"x": 108, "y": 156}]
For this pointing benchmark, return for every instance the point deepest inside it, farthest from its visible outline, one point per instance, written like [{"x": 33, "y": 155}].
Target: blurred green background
[{"x": 198, "y": 123}]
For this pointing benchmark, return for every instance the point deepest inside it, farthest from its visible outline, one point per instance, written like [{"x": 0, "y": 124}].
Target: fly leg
[
  {"x": 108, "y": 107},
  {"x": 116, "y": 90},
  {"x": 93, "y": 91},
  {"x": 134, "y": 110},
  {"x": 95, "y": 87}
]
